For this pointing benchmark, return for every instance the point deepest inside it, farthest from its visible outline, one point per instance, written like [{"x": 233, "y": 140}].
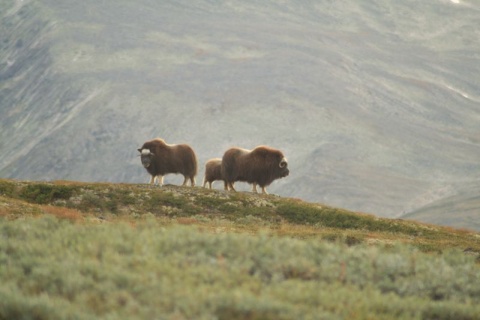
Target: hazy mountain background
[{"x": 376, "y": 103}]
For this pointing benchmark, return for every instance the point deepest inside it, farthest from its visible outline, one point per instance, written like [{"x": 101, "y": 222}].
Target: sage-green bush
[
  {"x": 44, "y": 193},
  {"x": 56, "y": 269}
]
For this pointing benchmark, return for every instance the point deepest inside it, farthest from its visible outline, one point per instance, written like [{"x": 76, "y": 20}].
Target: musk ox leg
[
  {"x": 209, "y": 184},
  {"x": 156, "y": 180},
  {"x": 152, "y": 179},
  {"x": 192, "y": 182},
  {"x": 254, "y": 188},
  {"x": 230, "y": 186},
  {"x": 264, "y": 190},
  {"x": 225, "y": 185}
]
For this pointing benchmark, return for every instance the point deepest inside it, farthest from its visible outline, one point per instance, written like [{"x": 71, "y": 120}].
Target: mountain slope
[
  {"x": 460, "y": 210},
  {"x": 374, "y": 103}
]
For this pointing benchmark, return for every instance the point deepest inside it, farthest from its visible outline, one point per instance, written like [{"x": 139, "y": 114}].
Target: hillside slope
[
  {"x": 227, "y": 211},
  {"x": 460, "y": 210},
  {"x": 375, "y": 103}
]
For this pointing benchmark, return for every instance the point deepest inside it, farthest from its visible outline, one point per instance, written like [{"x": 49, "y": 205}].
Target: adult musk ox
[
  {"x": 213, "y": 172},
  {"x": 259, "y": 166},
  {"x": 160, "y": 159}
]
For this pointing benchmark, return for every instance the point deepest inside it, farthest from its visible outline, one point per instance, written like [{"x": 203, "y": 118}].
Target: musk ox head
[
  {"x": 146, "y": 156},
  {"x": 283, "y": 165}
]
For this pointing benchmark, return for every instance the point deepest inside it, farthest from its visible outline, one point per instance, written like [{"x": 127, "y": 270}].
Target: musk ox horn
[
  {"x": 283, "y": 163},
  {"x": 145, "y": 152}
]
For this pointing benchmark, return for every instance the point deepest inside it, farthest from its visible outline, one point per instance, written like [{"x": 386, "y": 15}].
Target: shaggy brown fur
[
  {"x": 213, "y": 172},
  {"x": 259, "y": 166},
  {"x": 160, "y": 159}
]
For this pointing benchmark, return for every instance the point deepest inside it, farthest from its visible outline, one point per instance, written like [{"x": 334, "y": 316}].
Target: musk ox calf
[
  {"x": 259, "y": 166},
  {"x": 160, "y": 159},
  {"x": 213, "y": 172}
]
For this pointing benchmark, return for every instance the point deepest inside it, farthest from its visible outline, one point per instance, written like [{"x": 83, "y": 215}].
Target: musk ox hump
[
  {"x": 153, "y": 144},
  {"x": 267, "y": 152}
]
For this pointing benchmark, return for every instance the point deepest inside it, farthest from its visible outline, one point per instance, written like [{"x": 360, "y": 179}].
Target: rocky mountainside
[{"x": 375, "y": 103}]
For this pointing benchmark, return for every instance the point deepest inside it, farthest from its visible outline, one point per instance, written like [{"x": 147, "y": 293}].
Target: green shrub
[
  {"x": 45, "y": 193},
  {"x": 7, "y": 188},
  {"x": 164, "y": 202},
  {"x": 90, "y": 201},
  {"x": 210, "y": 202},
  {"x": 304, "y": 213},
  {"x": 121, "y": 197},
  {"x": 56, "y": 269},
  {"x": 312, "y": 215},
  {"x": 162, "y": 198},
  {"x": 228, "y": 208}
]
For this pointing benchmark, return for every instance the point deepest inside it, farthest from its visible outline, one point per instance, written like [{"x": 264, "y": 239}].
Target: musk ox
[
  {"x": 213, "y": 172},
  {"x": 259, "y": 166},
  {"x": 160, "y": 159}
]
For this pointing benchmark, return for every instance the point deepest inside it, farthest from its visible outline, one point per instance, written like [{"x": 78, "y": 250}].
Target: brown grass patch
[
  {"x": 3, "y": 212},
  {"x": 187, "y": 220},
  {"x": 63, "y": 213}
]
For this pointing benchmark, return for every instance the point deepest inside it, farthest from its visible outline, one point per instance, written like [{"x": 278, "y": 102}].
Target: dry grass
[{"x": 63, "y": 213}]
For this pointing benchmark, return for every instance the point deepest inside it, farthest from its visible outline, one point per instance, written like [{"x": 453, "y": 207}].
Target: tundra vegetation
[{"x": 121, "y": 251}]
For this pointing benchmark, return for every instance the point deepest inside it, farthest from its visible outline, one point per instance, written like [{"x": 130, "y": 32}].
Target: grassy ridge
[
  {"x": 238, "y": 211},
  {"x": 83, "y": 251}
]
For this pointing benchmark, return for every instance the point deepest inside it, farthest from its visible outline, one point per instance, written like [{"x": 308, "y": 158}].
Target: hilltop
[
  {"x": 230, "y": 212},
  {"x": 374, "y": 103}
]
